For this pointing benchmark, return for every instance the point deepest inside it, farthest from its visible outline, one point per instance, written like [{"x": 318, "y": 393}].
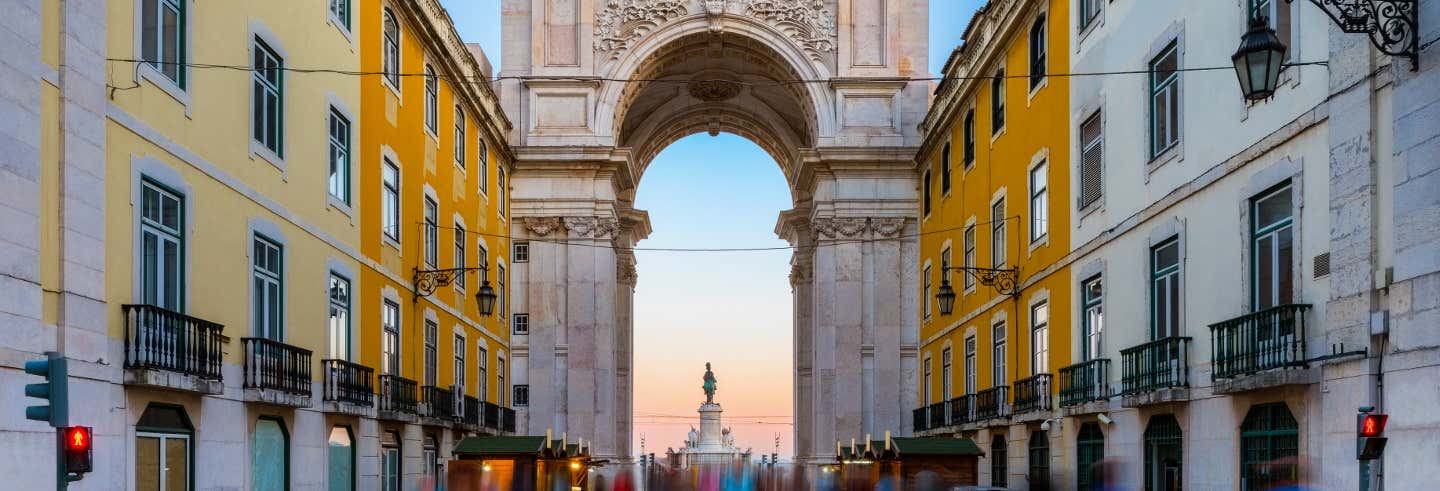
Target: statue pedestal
[
  {"x": 711, "y": 445},
  {"x": 711, "y": 438}
]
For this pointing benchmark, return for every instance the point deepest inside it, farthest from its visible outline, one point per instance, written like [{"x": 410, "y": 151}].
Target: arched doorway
[{"x": 608, "y": 89}]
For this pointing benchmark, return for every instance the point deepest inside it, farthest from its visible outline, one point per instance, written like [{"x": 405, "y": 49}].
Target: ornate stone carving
[
  {"x": 887, "y": 227},
  {"x": 606, "y": 227},
  {"x": 580, "y": 226},
  {"x": 800, "y": 269},
  {"x": 710, "y": 90},
  {"x": 541, "y": 226},
  {"x": 842, "y": 227},
  {"x": 623, "y": 22},
  {"x": 805, "y": 21},
  {"x": 625, "y": 270}
]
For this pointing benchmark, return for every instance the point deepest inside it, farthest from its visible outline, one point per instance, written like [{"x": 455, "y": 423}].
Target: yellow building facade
[{"x": 995, "y": 180}]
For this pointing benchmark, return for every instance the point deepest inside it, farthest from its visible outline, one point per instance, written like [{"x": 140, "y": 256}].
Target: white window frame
[
  {"x": 390, "y": 51},
  {"x": 999, "y": 235},
  {"x": 1040, "y": 337},
  {"x": 431, "y": 237},
  {"x": 460, "y": 136},
  {"x": 998, "y": 353},
  {"x": 432, "y": 101},
  {"x": 390, "y": 200},
  {"x": 431, "y": 377},
  {"x": 390, "y": 350},
  {"x": 339, "y": 186},
  {"x": 269, "y": 278},
  {"x": 1040, "y": 201},
  {"x": 340, "y": 330}
]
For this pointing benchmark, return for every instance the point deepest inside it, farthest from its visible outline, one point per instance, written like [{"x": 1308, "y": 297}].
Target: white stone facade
[{"x": 584, "y": 137}]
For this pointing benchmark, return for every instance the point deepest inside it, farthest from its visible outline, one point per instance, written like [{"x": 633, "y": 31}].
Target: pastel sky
[{"x": 730, "y": 309}]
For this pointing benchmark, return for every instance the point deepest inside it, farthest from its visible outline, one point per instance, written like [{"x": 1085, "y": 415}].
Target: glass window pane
[
  {"x": 171, "y": 41},
  {"x": 342, "y": 460},
  {"x": 1284, "y": 262},
  {"x": 268, "y": 455},
  {"x": 1273, "y": 208},
  {"x": 177, "y": 464},
  {"x": 147, "y": 463}
]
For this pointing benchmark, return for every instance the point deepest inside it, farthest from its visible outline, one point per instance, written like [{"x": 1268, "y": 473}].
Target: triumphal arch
[{"x": 597, "y": 88}]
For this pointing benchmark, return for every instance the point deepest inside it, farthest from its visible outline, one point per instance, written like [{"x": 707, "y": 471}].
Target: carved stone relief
[
  {"x": 806, "y": 22},
  {"x": 598, "y": 227},
  {"x": 857, "y": 227},
  {"x": 541, "y": 226},
  {"x": 623, "y": 22},
  {"x": 620, "y": 24}
]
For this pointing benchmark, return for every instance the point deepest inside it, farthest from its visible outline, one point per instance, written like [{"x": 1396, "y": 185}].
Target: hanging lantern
[{"x": 1259, "y": 60}]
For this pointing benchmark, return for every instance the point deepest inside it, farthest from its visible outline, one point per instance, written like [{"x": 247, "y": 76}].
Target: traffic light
[
  {"x": 1369, "y": 429},
  {"x": 78, "y": 449},
  {"x": 55, "y": 389}
]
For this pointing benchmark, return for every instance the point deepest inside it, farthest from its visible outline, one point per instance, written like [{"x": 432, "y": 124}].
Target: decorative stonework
[
  {"x": 857, "y": 227},
  {"x": 709, "y": 90},
  {"x": 625, "y": 270},
  {"x": 541, "y": 226},
  {"x": 623, "y": 22},
  {"x": 805, "y": 21},
  {"x": 800, "y": 269},
  {"x": 580, "y": 226},
  {"x": 887, "y": 227}
]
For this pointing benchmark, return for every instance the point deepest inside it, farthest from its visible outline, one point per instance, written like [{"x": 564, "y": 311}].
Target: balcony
[
  {"x": 276, "y": 373},
  {"x": 397, "y": 399},
  {"x": 962, "y": 410},
  {"x": 1032, "y": 395},
  {"x": 1260, "y": 350},
  {"x": 992, "y": 403},
  {"x": 1084, "y": 383},
  {"x": 471, "y": 413},
  {"x": 438, "y": 407},
  {"x": 349, "y": 388},
  {"x": 507, "y": 420},
  {"x": 491, "y": 416},
  {"x": 1156, "y": 372},
  {"x": 170, "y": 350}
]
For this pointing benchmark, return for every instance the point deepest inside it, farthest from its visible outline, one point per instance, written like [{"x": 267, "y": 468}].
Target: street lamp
[
  {"x": 486, "y": 298},
  {"x": 1258, "y": 60},
  {"x": 946, "y": 297},
  {"x": 426, "y": 280},
  {"x": 1004, "y": 281}
]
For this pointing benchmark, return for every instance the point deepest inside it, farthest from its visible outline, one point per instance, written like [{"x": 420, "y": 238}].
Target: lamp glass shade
[
  {"x": 946, "y": 298},
  {"x": 1259, "y": 60},
  {"x": 486, "y": 298}
]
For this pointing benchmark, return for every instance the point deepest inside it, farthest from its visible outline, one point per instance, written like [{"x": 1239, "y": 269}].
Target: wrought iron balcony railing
[
  {"x": 158, "y": 338},
  {"x": 962, "y": 409},
  {"x": 491, "y": 415},
  {"x": 1265, "y": 340},
  {"x": 992, "y": 403},
  {"x": 507, "y": 420},
  {"x": 1032, "y": 393},
  {"x": 439, "y": 402},
  {"x": 1159, "y": 364},
  {"x": 938, "y": 416},
  {"x": 920, "y": 418},
  {"x": 1084, "y": 382},
  {"x": 471, "y": 411},
  {"x": 278, "y": 366},
  {"x": 397, "y": 394},
  {"x": 350, "y": 383}
]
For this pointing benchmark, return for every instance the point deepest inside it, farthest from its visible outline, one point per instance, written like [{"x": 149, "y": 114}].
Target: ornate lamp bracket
[
  {"x": 1004, "y": 281},
  {"x": 1393, "y": 25},
  {"x": 427, "y": 280}
]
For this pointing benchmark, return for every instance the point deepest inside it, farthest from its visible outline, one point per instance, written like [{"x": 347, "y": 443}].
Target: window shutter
[{"x": 1091, "y": 161}]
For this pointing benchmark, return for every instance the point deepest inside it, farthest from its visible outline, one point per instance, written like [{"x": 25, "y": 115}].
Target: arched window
[
  {"x": 390, "y": 50},
  {"x": 163, "y": 449},
  {"x": 998, "y": 456},
  {"x": 1037, "y": 52},
  {"x": 1269, "y": 441},
  {"x": 1040, "y": 460},
  {"x": 1163, "y": 457},
  {"x": 269, "y": 455},
  {"x": 342, "y": 459},
  {"x": 1089, "y": 451}
]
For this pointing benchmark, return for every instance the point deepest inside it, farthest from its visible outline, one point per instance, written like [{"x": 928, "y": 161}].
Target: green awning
[{"x": 501, "y": 445}]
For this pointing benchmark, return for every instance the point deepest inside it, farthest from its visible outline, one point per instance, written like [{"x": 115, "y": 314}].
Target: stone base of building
[
  {"x": 1159, "y": 396},
  {"x": 1266, "y": 380}
]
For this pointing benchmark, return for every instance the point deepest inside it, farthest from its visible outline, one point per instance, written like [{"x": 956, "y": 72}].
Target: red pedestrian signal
[
  {"x": 1369, "y": 429},
  {"x": 1372, "y": 425},
  {"x": 78, "y": 449},
  {"x": 77, "y": 438}
]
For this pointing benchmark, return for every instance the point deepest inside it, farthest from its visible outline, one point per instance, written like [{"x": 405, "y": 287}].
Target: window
[
  {"x": 341, "y": 468},
  {"x": 925, "y": 296},
  {"x": 1039, "y": 202},
  {"x": 162, "y": 37},
  {"x": 1092, "y": 160},
  {"x": 945, "y": 374},
  {"x": 997, "y": 355},
  {"x": 1092, "y": 319},
  {"x": 432, "y": 357},
  {"x": 522, "y": 253},
  {"x": 269, "y": 455},
  {"x": 970, "y": 365},
  {"x": 432, "y": 100},
  {"x": 1165, "y": 290},
  {"x": 162, "y": 246},
  {"x": 1268, "y": 435},
  {"x": 522, "y": 395},
  {"x": 459, "y": 136},
  {"x": 1277, "y": 14},
  {"x": 430, "y": 456},
  {"x": 969, "y": 143},
  {"x": 1089, "y": 12},
  {"x": 522, "y": 323},
  {"x": 390, "y": 49},
  {"x": 1164, "y": 101},
  {"x": 997, "y": 234},
  {"x": 341, "y": 10},
  {"x": 459, "y": 367},
  {"x": 500, "y": 190},
  {"x": 1040, "y": 338},
  {"x": 1089, "y": 452},
  {"x": 482, "y": 161},
  {"x": 482, "y": 361},
  {"x": 998, "y": 456},
  {"x": 432, "y": 231},
  {"x": 459, "y": 255},
  {"x": 390, "y": 341},
  {"x": 500, "y": 381},
  {"x": 925, "y": 388},
  {"x": 339, "y": 157},
  {"x": 969, "y": 255},
  {"x": 1037, "y": 52},
  {"x": 390, "y": 461},
  {"x": 1163, "y": 458},
  {"x": 339, "y": 317},
  {"x": 945, "y": 169},
  {"x": 163, "y": 449},
  {"x": 482, "y": 255},
  {"x": 267, "y": 104},
  {"x": 945, "y": 265},
  {"x": 1040, "y": 460},
  {"x": 1273, "y": 246},
  {"x": 925, "y": 194},
  {"x": 390, "y": 200},
  {"x": 997, "y": 102},
  {"x": 500, "y": 277},
  {"x": 267, "y": 297}
]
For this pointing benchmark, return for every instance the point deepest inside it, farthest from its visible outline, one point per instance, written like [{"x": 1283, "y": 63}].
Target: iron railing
[
  {"x": 920, "y": 418},
  {"x": 962, "y": 409},
  {"x": 1159, "y": 364},
  {"x": 491, "y": 416},
  {"x": 167, "y": 340},
  {"x": 507, "y": 420},
  {"x": 350, "y": 383},
  {"x": 471, "y": 411},
  {"x": 992, "y": 403},
  {"x": 1084, "y": 382},
  {"x": 1032, "y": 393},
  {"x": 938, "y": 418},
  {"x": 397, "y": 394},
  {"x": 278, "y": 366},
  {"x": 439, "y": 402},
  {"x": 1265, "y": 340}
]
